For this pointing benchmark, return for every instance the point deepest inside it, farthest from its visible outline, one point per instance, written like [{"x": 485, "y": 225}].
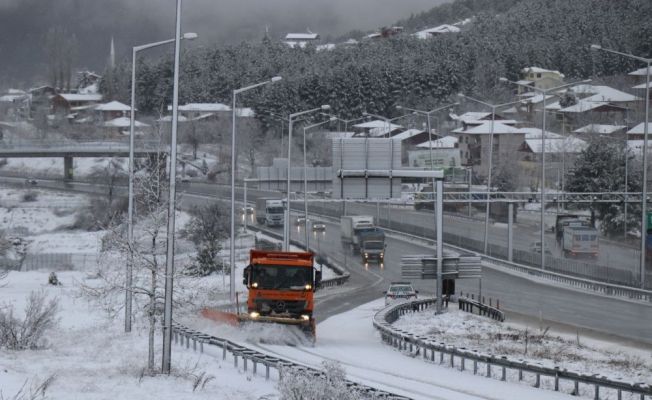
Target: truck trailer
[{"x": 270, "y": 211}]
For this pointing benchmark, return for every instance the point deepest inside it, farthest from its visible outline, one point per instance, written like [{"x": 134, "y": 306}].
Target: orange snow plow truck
[{"x": 281, "y": 287}]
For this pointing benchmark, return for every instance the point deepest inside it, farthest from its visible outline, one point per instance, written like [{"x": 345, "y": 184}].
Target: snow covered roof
[
  {"x": 535, "y": 133},
  {"x": 554, "y": 106},
  {"x": 292, "y": 44},
  {"x": 641, "y": 86},
  {"x": 339, "y": 135},
  {"x": 302, "y": 36},
  {"x": 485, "y": 128},
  {"x": 538, "y": 70},
  {"x": 10, "y": 98},
  {"x": 640, "y": 129},
  {"x": 604, "y": 93},
  {"x": 562, "y": 145},
  {"x": 202, "y": 107},
  {"x": 583, "y": 106},
  {"x": 525, "y": 82},
  {"x": 477, "y": 118},
  {"x": 407, "y": 134},
  {"x": 81, "y": 97},
  {"x": 327, "y": 46},
  {"x": 122, "y": 122},
  {"x": 168, "y": 118},
  {"x": 448, "y": 142},
  {"x": 113, "y": 106},
  {"x": 90, "y": 89},
  {"x": 377, "y": 123},
  {"x": 536, "y": 99},
  {"x": 599, "y": 128},
  {"x": 640, "y": 72},
  {"x": 430, "y": 32},
  {"x": 245, "y": 112}
]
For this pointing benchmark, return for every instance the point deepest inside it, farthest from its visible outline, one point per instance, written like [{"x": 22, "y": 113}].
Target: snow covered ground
[
  {"x": 50, "y": 166},
  {"x": 589, "y": 356},
  {"x": 91, "y": 357},
  {"x": 351, "y": 339}
]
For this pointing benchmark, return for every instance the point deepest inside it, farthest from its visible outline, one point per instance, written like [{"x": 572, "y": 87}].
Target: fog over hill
[{"x": 24, "y": 25}]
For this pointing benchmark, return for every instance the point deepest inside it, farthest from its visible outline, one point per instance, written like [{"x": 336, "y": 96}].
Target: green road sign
[{"x": 649, "y": 220}]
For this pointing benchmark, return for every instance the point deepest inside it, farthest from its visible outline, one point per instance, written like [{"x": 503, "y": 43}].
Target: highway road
[{"x": 527, "y": 298}]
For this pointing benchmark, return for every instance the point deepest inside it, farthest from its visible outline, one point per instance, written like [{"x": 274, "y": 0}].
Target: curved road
[{"x": 529, "y": 298}]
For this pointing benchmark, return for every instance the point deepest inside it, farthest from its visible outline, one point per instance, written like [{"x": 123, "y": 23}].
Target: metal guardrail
[
  {"x": 609, "y": 289},
  {"x": 183, "y": 336},
  {"x": 469, "y": 305},
  {"x": 457, "y": 357},
  {"x": 76, "y": 145}
]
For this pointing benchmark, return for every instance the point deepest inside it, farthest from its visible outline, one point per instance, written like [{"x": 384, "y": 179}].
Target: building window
[{"x": 538, "y": 75}]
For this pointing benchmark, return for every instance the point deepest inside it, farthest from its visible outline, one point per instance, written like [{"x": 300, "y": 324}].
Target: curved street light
[
  {"x": 544, "y": 93},
  {"x": 130, "y": 209}
]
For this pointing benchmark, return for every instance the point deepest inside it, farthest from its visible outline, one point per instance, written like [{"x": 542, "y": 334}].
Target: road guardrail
[{"x": 458, "y": 357}]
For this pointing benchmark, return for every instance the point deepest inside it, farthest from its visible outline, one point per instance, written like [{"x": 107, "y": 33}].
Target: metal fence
[
  {"x": 58, "y": 262},
  {"x": 494, "y": 366}
]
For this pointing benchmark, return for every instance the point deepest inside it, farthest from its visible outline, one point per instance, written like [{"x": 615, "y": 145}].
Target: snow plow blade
[
  {"x": 307, "y": 325},
  {"x": 221, "y": 316}
]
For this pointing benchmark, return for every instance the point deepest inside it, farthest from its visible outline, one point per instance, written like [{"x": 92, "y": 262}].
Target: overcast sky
[{"x": 24, "y": 23}]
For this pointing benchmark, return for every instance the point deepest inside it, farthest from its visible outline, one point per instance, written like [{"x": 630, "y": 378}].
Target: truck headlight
[
  {"x": 308, "y": 286},
  {"x": 305, "y": 317},
  {"x": 254, "y": 285},
  {"x": 254, "y": 314},
  {"x": 382, "y": 255},
  {"x": 366, "y": 255}
]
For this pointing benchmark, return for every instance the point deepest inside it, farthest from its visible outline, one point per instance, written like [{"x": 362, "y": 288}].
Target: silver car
[{"x": 400, "y": 291}]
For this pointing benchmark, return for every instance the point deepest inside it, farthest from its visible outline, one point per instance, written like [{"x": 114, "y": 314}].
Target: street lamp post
[
  {"x": 491, "y": 159},
  {"x": 305, "y": 178},
  {"x": 544, "y": 94},
  {"x": 233, "y": 167},
  {"x": 648, "y": 62},
  {"x": 388, "y": 121},
  {"x": 169, "y": 262},
  {"x": 286, "y": 225},
  {"x": 130, "y": 212}
]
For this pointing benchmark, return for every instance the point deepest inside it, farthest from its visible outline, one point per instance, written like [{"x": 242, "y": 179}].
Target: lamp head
[
  {"x": 332, "y": 119},
  {"x": 399, "y": 107},
  {"x": 325, "y": 107},
  {"x": 190, "y": 36},
  {"x": 503, "y": 79},
  {"x": 276, "y": 79},
  {"x": 461, "y": 96},
  {"x": 595, "y": 47}
]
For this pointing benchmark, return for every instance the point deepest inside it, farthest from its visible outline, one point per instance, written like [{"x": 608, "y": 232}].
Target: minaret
[{"x": 112, "y": 55}]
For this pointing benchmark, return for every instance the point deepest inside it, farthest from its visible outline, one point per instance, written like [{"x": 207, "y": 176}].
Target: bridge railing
[{"x": 66, "y": 144}]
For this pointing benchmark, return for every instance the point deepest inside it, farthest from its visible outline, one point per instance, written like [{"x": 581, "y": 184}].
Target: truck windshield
[
  {"x": 275, "y": 210},
  {"x": 281, "y": 277},
  {"x": 373, "y": 245}
]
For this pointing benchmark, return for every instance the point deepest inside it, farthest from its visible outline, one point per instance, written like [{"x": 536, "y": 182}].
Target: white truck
[
  {"x": 580, "y": 241},
  {"x": 270, "y": 211},
  {"x": 361, "y": 235}
]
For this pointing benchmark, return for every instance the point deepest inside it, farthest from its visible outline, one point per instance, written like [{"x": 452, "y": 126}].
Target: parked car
[
  {"x": 30, "y": 181},
  {"x": 318, "y": 227},
  {"x": 400, "y": 291},
  {"x": 535, "y": 247}
]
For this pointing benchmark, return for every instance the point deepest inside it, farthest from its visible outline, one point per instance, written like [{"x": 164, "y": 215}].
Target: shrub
[
  {"x": 300, "y": 385},
  {"x": 30, "y": 196},
  {"x": 40, "y": 317},
  {"x": 192, "y": 173}
]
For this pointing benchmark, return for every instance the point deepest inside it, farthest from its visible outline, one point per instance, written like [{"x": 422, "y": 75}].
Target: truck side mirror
[
  {"x": 245, "y": 275},
  {"x": 317, "y": 279}
]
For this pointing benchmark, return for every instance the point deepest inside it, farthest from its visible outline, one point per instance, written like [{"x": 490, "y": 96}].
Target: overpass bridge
[{"x": 68, "y": 150}]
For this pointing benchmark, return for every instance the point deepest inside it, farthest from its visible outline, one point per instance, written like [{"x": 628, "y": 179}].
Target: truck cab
[
  {"x": 372, "y": 246},
  {"x": 580, "y": 241},
  {"x": 281, "y": 287}
]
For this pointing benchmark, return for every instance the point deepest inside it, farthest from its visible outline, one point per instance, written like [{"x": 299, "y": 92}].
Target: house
[
  {"x": 376, "y": 129},
  {"x": 204, "y": 111},
  {"x": 385, "y": 32},
  {"x": 444, "y": 153},
  {"x": 300, "y": 39},
  {"x": 67, "y": 103},
  {"x": 557, "y": 148},
  {"x": 88, "y": 82},
  {"x": 121, "y": 126},
  {"x": 473, "y": 118},
  {"x": 113, "y": 109},
  {"x": 15, "y": 104},
  {"x": 638, "y": 132},
  {"x": 436, "y": 31},
  {"x": 409, "y": 140},
  {"x": 539, "y": 78},
  {"x": 474, "y": 144},
  {"x": 601, "y": 129},
  {"x": 638, "y": 76}
]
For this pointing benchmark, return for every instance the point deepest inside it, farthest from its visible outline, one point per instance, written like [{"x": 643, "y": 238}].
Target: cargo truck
[
  {"x": 270, "y": 211},
  {"x": 580, "y": 241},
  {"x": 361, "y": 235}
]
